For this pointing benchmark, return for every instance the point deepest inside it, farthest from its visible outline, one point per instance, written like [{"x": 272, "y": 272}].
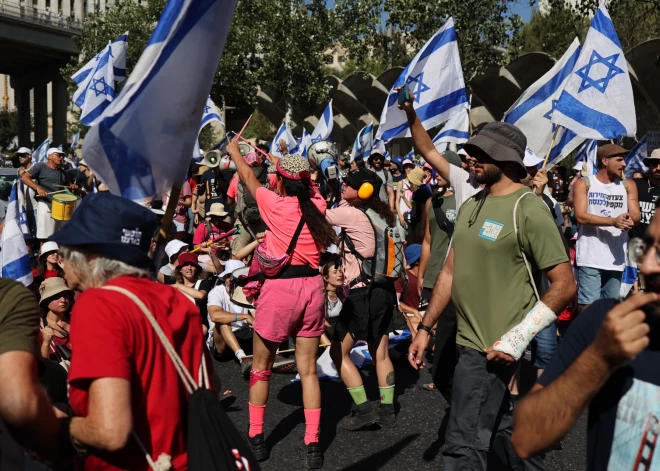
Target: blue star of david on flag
[
  {"x": 421, "y": 86},
  {"x": 100, "y": 87},
  {"x": 548, "y": 115},
  {"x": 601, "y": 83}
]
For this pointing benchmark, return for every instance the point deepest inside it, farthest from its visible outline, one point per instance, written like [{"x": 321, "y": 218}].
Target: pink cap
[
  {"x": 428, "y": 166},
  {"x": 407, "y": 162}
]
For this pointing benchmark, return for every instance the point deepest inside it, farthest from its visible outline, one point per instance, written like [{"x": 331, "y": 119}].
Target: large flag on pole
[
  {"x": 305, "y": 142},
  {"x": 283, "y": 134},
  {"x": 587, "y": 154},
  {"x": 532, "y": 112},
  {"x": 635, "y": 159},
  {"x": 100, "y": 91},
  {"x": 74, "y": 141},
  {"x": 143, "y": 143},
  {"x": 40, "y": 154},
  {"x": 435, "y": 77},
  {"x": 456, "y": 130},
  {"x": 597, "y": 101},
  {"x": 323, "y": 129},
  {"x": 14, "y": 258},
  {"x": 83, "y": 77},
  {"x": 363, "y": 143}
]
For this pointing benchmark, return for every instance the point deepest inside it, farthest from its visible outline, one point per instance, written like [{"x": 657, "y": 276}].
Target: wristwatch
[{"x": 421, "y": 326}]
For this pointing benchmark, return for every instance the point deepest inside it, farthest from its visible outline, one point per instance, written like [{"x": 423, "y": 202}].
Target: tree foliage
[
  {"x": 551, "y": 33},
  {"x": 8, "y": 127}
]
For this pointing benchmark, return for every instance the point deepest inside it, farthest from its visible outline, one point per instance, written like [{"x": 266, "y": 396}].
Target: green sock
[
  {"x": 358, "y": 394},
  {"x": 386, "y": 394}
]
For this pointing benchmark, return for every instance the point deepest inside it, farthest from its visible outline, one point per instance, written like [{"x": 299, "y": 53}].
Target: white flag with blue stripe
[
  {"x": 283, "y": 134},
  {"x": 142, "y": 145},
  {"x": 363, "y": 143},
  {"x": 100, "y": 91},
  {"x": 21, "y": 207},
  {"x": 74, "y": 141},
  {"x": 40, "y": 154},
  {"x": 597, "y": 101},
  {"x": 456, "y": 130},
  {"x": 628, "y": 277},
  {"x": 587, "y": 154},
  {"x": 14, "y": 257},
  {"x": 635, "y": 159},
  {"x": 211, "y": 114},
  {"x": 435, "y": 77},
  {"x": 305, "y": 142},
  {"x": 83, "y": 77},
  {"x": 532, "y": 112},
  {"x": 379, "y": 146},
  {"x": 323, "y": 129}
]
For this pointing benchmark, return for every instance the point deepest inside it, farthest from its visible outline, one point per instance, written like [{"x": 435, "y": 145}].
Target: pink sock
[
  {"x": 312, "y": 423},
  {"x": 257, "y": 414}
]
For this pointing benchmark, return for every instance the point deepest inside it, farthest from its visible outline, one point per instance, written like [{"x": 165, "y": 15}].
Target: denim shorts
[
  {"x": 595, "y": 284},
  {"x": 544, "y": 346}
]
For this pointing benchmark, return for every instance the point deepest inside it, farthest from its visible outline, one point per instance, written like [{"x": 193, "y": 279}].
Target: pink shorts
[{"x": 290, "y": 307}]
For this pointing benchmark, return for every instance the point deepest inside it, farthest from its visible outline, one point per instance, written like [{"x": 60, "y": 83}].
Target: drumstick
[
  {"x": 244, "y": 126},
  {"x": 250, "y": 144},
  {"x": 60, "y": 191}
]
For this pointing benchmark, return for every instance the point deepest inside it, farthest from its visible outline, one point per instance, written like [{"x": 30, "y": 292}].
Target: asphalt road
[{"x": 413, "y": 444}]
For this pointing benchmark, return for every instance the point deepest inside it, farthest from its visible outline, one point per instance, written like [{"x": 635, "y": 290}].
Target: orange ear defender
[{"x": 366, "y": 191}]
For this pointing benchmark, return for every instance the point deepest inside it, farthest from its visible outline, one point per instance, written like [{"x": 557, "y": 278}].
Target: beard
[{"x": 489, "y": 176}]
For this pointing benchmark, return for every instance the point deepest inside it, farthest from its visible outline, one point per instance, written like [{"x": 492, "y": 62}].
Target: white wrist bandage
[{"x": 515, "y": 341}]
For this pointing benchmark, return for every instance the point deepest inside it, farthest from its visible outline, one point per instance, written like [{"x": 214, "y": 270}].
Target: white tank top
[{"x": 603, "y": 247}]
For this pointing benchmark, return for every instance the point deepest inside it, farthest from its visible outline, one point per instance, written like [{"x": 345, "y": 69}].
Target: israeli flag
[
  {"x": 587, "y": 153},
  {"x": 100, "y": 91},
  {"x": 305, "y": 142},
  {"x": 635, "y": 159},
  {"x": 21, "y": 205},
  {"x": 40, "y": 155},
  {"x": 410, "y": 155},
  {"x": 456, "y": 130},
  {"x": 628, "y": 277},
  {"x": 143, "y": 143},
  {"x": 380, "y": 147},
  {"x": 532, "y": 112},
  {"x": 283, "y": 134},
  {"x": 597, "y": 101},
  {"x": 83, "y": 77},
  {"x": 14, "y": 257},
  {"x": 323, "y": 129},
  {"x": 435, "y": 77},
  {"x": 74, "y": 142},
  {"x": 211, "y": 114},
  {"x": 363, "y": 143}
]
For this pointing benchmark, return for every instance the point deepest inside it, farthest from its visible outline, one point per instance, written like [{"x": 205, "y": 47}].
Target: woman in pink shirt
[{"x": 292, "y": 303}]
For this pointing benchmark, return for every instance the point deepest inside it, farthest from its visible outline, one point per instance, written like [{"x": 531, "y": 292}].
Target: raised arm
[
  {"x": 244, "y": 171},
  {"x": 422, "y": 141}
]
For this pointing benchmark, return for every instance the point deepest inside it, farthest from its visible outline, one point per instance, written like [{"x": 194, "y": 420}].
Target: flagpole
[
  {"x": 166, "y": 224},
  {"x": 552, "y": 144}
]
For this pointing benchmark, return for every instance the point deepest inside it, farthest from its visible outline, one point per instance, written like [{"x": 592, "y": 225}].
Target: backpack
[
  {"x": 246, "y": 205},
  {"x": 212, "y": 439},
  {"x": 388, "y": 262},
  {"x": 440, "y": 217}
]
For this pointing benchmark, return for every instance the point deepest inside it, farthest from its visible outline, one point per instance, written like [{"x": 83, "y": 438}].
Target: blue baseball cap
[
  {"x": 398, "y": 161},
  {"x": 111, "y": 226},
  {"x": 413, "y": 253}
]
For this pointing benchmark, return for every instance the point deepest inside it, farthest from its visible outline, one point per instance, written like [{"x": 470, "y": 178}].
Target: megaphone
[
  {"x": 211, "y": 159},
  {"x": 322, "y": 155},
  {"x": 244, "y": 148},
  {"x": 226, "y": 164}
]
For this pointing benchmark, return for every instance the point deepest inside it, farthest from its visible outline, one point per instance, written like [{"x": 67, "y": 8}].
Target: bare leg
[
  {"x": 230, "y": 338},
  {"x": 380, "y": 355},
  {"x": 218, "y": 339},
  {"x": 340, "y": 353},
  {"x": 306, "y": 351},
  {"x": 262, "y": 360}
]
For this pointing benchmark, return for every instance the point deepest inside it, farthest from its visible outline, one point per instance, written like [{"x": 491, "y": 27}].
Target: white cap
[
  {"x": 48, "y": 247},
  {"x": 531, "y": 159},
  {"x": 24, "y": 150},
  {"x": 230, "y": 266},
  {"x": 462, "y": 152},
  {"x": 578, "y": 166},
  {"x": 174, "y": 246},
  {"x": 55, "y": 150}
]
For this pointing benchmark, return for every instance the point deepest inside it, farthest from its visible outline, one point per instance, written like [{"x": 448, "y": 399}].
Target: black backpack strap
[
  {"x": 294, "y": 240},
  {"x": 441, "y": 218}
]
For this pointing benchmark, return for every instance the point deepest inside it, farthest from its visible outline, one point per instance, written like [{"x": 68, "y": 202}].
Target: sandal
[{"x": 429, "y": 387}]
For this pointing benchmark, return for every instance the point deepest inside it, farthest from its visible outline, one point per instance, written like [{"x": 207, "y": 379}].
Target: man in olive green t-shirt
[
  {"x": 24, "y": 407},
  {"x": 487, "y": 279}
]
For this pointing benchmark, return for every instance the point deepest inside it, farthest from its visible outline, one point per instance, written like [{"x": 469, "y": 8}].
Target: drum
[
  {"x": 63, "y": 206},
  {"x": 236, "y": 292}
]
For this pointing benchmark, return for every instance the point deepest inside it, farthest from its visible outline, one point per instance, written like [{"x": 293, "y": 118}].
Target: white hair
[{"x": 96, "y": 271}]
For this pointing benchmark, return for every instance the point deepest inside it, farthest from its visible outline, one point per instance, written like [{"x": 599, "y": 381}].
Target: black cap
[
  {"x": 356, "y": 178},
  {"x": 111, "y": 226}
]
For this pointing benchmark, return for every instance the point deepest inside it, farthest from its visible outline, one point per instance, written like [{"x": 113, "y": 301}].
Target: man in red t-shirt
[{"x": 121, "y": 380}]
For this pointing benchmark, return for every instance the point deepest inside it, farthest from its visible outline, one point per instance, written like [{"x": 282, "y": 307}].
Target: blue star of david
[
  {"x": 599, "y": 84},
  {"x": 100, "y": 87},
  {"x": 548, "y": 115},
  {"x": 316, "y": 139},
  {"x": 207, "y": 109},
  {"x": 421, "y": 86}
]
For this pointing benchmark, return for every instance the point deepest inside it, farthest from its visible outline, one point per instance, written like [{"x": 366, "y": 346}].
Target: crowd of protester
[{"x": 501, "y": 259}]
